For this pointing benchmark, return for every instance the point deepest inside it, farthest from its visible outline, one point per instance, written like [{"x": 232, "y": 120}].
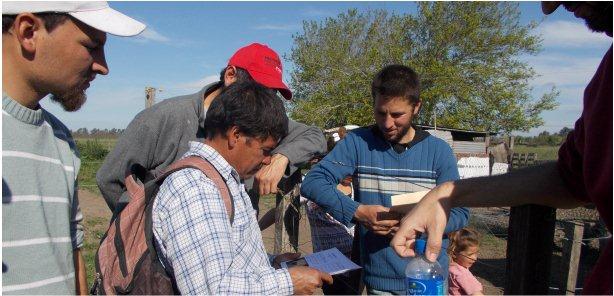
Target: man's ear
[
  {"x": 27, "y": 28},
  {"x": 230, "y": 75},
  {"x": 234, "y": 135},
  {"x": 417, "y": 107}
]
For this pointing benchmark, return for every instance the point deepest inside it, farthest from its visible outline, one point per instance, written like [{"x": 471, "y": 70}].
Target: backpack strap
[{"x": 210, "y": 171}]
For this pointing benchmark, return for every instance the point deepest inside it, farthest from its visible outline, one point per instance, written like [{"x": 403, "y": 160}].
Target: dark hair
[
  {"x": 253, "y": 108},
  {"x": 463, "y": 239},
  {"x": 396, "y": 81},
  {"x": 51, "y": 20},
  {"x": 241, "y": 74}
]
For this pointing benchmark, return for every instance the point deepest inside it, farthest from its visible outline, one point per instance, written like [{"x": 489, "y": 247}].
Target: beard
[
  {"x": 600, "y": 20},
  {"x": 398, "y": 136},
  {"x": 71, "y": 101}
]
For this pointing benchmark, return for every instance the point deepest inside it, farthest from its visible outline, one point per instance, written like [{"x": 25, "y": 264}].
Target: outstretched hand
[{"x": 430, "y": 216}]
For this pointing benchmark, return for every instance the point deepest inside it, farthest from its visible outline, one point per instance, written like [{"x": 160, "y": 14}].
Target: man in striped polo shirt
[
  {"x": 47, "y": 48},
  {"x": 391, "y": 157}
]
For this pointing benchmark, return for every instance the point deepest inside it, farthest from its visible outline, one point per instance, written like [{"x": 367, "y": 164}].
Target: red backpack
[{"x": 127, "y": 261}]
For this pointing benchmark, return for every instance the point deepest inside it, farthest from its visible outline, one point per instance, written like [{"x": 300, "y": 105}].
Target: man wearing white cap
[{"x": 51, "y": 48}]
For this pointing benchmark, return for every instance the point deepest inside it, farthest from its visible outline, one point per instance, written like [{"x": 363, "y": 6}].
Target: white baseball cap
[{"x": 96, "y": 14}]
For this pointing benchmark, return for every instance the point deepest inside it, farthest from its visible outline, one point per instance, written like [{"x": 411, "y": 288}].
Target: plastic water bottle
[{"x": 423, "y": 277}]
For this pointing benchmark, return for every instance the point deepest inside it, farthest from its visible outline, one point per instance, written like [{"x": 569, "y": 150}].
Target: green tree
[{"x": 467, "y": 54}]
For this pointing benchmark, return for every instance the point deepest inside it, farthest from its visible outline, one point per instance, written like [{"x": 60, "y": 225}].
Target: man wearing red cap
[
  {"x": 159, "y": 135},
  {"x": 582, "y": 174}
]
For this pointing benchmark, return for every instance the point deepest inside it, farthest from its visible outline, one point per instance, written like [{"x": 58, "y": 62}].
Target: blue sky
[{"x": 186, "y": 44}]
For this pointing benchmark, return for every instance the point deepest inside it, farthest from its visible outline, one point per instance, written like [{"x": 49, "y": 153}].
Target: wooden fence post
[
  {"x": 529, "y": 249},
  {"x": 287, "y": 214},
  {"x": 570, "y": 259}
]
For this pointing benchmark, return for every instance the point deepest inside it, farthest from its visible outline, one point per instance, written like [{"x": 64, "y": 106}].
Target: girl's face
[{"x": 467, "y": 257}]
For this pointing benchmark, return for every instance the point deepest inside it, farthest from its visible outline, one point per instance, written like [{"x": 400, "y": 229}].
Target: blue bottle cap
[{"x": 420, "y": 246}]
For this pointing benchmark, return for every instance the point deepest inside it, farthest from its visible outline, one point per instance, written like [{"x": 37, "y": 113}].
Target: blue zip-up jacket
[{"x": 379, "y": 172}]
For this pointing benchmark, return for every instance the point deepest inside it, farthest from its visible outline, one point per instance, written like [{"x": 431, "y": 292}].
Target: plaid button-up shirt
[{"x": 195, "y": 240}]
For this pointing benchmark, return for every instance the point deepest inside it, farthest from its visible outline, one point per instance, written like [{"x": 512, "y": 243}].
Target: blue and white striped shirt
[{"x": 207, "y": 254}]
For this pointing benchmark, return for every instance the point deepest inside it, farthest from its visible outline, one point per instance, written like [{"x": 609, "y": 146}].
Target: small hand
[{"x": 306, "y": 279}]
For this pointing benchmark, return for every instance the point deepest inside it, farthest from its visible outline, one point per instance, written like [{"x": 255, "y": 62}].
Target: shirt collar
[
  {"x": 419, "y": 136},
  {"x": 215, "y": 158}
]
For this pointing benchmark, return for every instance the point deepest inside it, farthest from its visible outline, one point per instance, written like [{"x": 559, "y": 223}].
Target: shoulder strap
[{"x": 210, "y": 171}]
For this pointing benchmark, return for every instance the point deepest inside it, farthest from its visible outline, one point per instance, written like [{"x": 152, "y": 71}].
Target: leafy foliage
[
  {"x": 92, "y": 150},
  {"x": 467, "y": 53}
]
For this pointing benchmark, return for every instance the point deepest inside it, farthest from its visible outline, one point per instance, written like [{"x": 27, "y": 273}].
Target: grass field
[{"x": 542, "y": 152}]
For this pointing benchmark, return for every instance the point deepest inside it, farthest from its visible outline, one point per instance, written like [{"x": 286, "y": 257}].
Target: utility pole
[{"x": 150, "y": 96}]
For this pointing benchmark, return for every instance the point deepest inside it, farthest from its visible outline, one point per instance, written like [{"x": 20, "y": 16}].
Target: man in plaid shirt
[{"x": 200, "y": 248}]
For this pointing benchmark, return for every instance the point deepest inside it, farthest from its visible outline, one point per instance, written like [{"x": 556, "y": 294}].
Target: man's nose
[
  {"x": 389, "y": 122},
  {"x": 100, "y": 63}
]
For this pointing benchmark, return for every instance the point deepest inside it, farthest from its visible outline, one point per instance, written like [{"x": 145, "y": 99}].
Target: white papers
[
  {"x": 403, "y": 203},
  {"x": 331, "y": 261}
]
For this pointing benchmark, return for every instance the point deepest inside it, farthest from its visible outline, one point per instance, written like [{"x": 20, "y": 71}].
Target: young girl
[{"x": 463, "y": 251}]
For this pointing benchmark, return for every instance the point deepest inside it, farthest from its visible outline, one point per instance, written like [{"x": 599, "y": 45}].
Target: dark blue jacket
[{"x": 379, "y": 172}]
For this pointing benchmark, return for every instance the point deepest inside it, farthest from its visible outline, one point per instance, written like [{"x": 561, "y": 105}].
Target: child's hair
[{"x": 461, "y": 240}]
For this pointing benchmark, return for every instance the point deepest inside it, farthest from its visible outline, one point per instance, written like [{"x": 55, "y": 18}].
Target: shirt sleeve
[
  {"x": 468, "y": 282},
  {"x": 570, "y": 162},
  {"x": 320, "y": 184},
  {"x": 195, "y": 231},
  {"x": 302, "y": 143}
]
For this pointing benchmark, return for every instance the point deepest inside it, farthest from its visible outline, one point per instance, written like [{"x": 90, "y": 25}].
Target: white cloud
[
  {"x": 273, "y": 27},
  {"x": 570, "y": 34},
  {"x": 562, "y": 70},
  {"x": 198, "y": 84},
  {"x": 317, "y": 12}
]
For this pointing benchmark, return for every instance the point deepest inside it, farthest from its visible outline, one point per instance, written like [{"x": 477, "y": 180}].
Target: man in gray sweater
[
  {"x": 57, "y": 49},
  {"x": 160, "y": 134}
]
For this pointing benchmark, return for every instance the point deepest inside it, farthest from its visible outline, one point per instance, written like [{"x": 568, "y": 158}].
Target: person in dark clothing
[{"x": 582, "y": 174}]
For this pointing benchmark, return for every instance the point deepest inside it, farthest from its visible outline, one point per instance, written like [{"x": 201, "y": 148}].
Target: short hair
[
  {"x": 253, "y": 108},
  {"x": 396, "y": 81},
  {"x": 51, "y": 20},
  {"x": 462, "y": 239}
]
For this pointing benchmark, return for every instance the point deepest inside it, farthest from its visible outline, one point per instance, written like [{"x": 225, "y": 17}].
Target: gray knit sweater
[
  {"x": 40, "y": 209},
  {"x": 159, "y": 135}
]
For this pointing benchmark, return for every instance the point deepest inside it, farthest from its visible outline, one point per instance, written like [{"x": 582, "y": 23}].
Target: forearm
[
  {"x": 323, "y": 191},
  {"x": 302, "y": 143},
  {"x": 80, "y": 273},
  {"x": 539, "y": 184}
]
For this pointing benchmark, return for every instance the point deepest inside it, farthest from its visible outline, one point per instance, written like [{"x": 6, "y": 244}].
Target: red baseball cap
[{"x": 263, "y": 64}]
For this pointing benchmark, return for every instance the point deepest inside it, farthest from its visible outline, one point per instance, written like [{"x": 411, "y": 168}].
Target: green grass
[
  {"x": 542, "y": 152},
  {"x": 95, "y": 228},
  {"x": 93, "y": 151}
]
